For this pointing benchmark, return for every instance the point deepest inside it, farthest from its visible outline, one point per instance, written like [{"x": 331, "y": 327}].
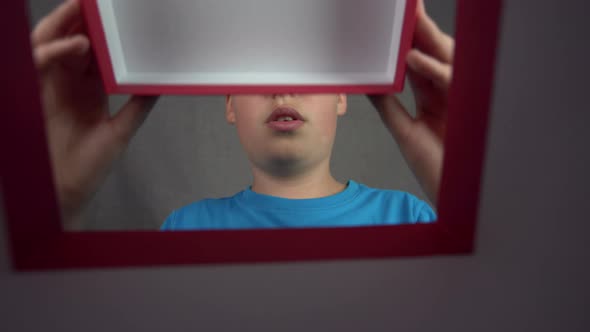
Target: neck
[{"x": 313, "y": 183}]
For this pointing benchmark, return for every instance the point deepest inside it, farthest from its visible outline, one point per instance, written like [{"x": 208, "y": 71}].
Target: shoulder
[{"x": 402, "y": 204}]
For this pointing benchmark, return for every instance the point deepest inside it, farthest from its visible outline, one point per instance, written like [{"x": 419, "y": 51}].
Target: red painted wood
[
  {"x": 99, "y": 44},
  {"x": 98, "y": 39},
  {"x": 33, "y": 216},
  {"x": 405, "y": 46},
  {"x": 477, "y": 32},
  {"x": 30, "y": 204}
]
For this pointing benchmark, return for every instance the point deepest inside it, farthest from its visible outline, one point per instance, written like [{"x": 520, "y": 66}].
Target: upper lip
[{"x": 282, "y": 112}]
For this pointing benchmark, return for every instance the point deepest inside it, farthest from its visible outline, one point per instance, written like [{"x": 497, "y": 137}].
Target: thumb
[
  {"x": 131, "y": 116},
  {"x": 394, "y": 115},
  {"x": 48, "y": 54}
]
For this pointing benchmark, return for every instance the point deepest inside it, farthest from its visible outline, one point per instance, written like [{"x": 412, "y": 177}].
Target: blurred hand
[
  {"x": 420, "y": 138},
  {"x": 84, "y": 139}
]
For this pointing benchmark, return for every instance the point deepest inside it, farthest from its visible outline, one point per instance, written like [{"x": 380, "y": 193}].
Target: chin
[
  {"x": 284, "y": 159},
  {"x": 287, "y": 148}
]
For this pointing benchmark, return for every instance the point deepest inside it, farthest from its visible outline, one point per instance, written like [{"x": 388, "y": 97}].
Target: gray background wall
[
  {"x": 529, "y": 273},
  {"x": 186, "y": 152}
]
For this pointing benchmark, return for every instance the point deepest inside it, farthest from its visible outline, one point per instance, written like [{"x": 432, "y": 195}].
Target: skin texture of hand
[
  {"x": 420, "y": 138},
  {"x": 84, "y": 138}
]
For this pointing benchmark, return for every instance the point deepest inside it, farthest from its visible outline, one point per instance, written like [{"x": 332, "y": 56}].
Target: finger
[
  {"x": 430, "y": 39},
  {"x": 394, "y": 115},
  {"x": 57, "y": 51},
  {"x": 58, "y": 23},
  {"x": 131, "y": 116},
  {"x": 430, "y": 68}
]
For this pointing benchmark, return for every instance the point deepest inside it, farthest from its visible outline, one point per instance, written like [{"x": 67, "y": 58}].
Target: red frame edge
[
  {"x": 35, "y": 235},
  {"x": 405, "y": 44},
  {"x": 99, "y": 44},
  {"x": 98, "y": 38}
]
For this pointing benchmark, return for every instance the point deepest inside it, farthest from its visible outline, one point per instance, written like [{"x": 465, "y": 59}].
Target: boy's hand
[
  {"x": 420, "y": 138},
  {"x": 84, "y": 139}
]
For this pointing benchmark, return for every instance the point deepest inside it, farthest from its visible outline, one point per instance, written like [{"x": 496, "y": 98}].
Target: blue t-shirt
[{"x": 357, "y": 205}]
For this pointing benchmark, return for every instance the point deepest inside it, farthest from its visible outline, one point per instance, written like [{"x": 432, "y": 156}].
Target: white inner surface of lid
[{"x": 253, "y": 42}]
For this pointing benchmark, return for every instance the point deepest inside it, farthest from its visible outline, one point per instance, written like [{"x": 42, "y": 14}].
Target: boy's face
[{"x": 286, "y": 131}]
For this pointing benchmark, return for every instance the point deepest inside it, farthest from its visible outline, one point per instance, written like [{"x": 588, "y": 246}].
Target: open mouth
[
  {"x": 285, "y": 119},
  {"x": 282, "y": 114}
]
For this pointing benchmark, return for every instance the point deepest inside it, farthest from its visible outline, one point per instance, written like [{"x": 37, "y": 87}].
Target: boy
[{"x": 288, "y": 138}]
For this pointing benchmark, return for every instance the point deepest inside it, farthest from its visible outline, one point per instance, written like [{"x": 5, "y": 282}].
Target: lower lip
[{"x": 285, "y": 125}]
